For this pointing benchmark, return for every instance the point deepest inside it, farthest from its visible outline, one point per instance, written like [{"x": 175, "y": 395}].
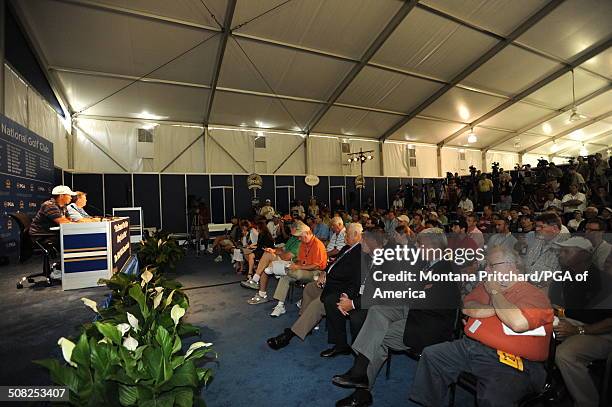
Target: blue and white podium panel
[{"x": 93, "y": 250}]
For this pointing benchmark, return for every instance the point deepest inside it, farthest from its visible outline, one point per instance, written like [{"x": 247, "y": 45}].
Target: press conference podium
[{"x": 93, "y": 250}]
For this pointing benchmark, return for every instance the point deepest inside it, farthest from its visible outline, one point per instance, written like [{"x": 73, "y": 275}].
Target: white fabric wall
[
  {"x": 240, "y": 144},
  {"x": 28, "y": 108},
  {"x": 119, "y": 140},
  {"x": 15, "y": 98},
  {"x": 506, "y": 160},
  {"x": 396, "y": 161},
  {"x": 325, "y": 156},
  {"x": 451, "y": 160}
]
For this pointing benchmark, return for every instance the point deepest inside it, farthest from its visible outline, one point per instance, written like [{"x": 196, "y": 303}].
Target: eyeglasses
[{"x": 498, "y": 263}]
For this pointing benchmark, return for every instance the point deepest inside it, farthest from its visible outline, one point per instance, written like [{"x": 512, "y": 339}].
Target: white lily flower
[
  {"x": 159, "y": 289},
  {"x": 176, "y": 313},
  {"x": 133, "y": 321},
  {"x": 146, "y": 276},
  {"x": 67, "y": 348},
  {"x": 157, "y": 299},
  {"x": 123, "y": 328},
  {"x": 130, "y": 343},
  {"x": 197, "y": 345},
  {"x": 103, "y": 340},
  {"x": 91, "y": 304}
]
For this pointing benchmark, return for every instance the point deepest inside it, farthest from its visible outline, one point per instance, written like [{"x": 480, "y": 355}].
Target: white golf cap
[
  {"x": 576, "y": 241},
  {"x": 62, "y": 190}
]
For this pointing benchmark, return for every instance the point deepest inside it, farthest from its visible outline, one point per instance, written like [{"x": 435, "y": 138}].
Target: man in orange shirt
[
  {"x": 311, "y": 259},
  {"x": 507, "y": 366}
]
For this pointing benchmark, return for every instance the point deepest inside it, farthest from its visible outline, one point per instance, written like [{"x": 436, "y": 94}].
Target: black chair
[
  {"x": 468, "y": 382},
  {"x": 415, "y": 355},
  {"x": 28, "y": 244}
]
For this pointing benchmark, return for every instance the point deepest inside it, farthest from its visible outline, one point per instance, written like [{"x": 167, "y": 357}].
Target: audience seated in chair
[
  {"x": 386, "y": 326},
  {"x": 341, "y": 279},
  {"x": 507, "y": 367}
]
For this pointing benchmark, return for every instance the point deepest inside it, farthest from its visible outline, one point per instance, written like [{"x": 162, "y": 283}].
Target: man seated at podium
[
  {"x": 75, "y": 210},
  {"x": 52, "y": 213}
]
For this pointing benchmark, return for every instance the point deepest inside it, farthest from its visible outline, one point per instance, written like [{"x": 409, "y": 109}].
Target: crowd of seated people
[{"x": 508, "y": 327}]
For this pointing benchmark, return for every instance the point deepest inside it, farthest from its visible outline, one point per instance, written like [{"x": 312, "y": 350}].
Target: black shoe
[
  {"x": 346, "y": 380},
  {"x": 360, "y": 398},
  {"x": 335, "y": 351},
  {"x": 281, "y": 340}
]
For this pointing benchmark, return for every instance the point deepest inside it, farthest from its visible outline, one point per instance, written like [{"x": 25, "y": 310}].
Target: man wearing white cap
[
  {"x": 267, "y": 211},
  {"x": 53, "y": 211}
]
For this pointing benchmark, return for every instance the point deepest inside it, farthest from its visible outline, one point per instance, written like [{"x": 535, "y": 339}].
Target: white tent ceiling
[{"x": 401, "y": 70}]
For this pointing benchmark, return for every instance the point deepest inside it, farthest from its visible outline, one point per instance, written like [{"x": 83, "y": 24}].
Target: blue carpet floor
[{"x": 247, "y": 372}]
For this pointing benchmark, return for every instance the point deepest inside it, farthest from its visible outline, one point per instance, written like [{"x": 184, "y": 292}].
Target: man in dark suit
[
  {"x": 394, "y": 327},
  {"x": 342, "y": 276}
]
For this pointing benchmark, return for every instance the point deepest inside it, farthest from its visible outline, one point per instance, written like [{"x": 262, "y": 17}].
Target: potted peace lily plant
[
  {"x": 160, "y": 251},
  {"x": 134, "y": 357}
]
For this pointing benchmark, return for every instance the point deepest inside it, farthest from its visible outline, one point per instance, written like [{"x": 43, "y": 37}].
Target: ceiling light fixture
[
  {"x": 575, "y": 116},
  {"x": 472, "y": 136},
  {"x": 583, "y": 150}
]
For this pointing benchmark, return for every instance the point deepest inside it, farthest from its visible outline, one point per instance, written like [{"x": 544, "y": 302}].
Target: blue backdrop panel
[
  {"x": 221, "y": 205},
  {"x": 321, "y": 191},
  {"x": 68, "y": 179},
  {"x": 117, "y": 191},
  {"x": 284, "y": 180},
  {"x": 58, "y": 176},
  {"x": 221, "y": 180},
  {"x": 302, "y": 191},
  {"x": 92, "y": 185},
  {"x": 267, "y": 189},
  {"x": 352, "y": 196},
  {"x": 380, "y": 185},
  {"x": 284, "y": 196},
  {"x": 173, "y": 203},
  {"x": 198, "y": 190},
  {"x": 146, "y": 195},
  {"x": 242, "y": 196},
  {"x": 368, "y": 192},
  {"x": 394, "y": 184}
]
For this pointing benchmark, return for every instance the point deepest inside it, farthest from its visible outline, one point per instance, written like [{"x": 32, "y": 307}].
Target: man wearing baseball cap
[{"x": 52, "y": 212}]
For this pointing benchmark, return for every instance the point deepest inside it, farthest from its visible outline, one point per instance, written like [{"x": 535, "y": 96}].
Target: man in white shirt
[
  {"x": 574, "y": 201},
  {"x": 473, "y": 232},
  {"x": 466, "y": 204},
  {"x": 336, "y": 241},
  {"x": 595, "y": 229},
  {"x": 503, "y": 237},
  {"x": 551, "y": 201},
  {"x": 274, "y": 226},
  {"x": 398, "y": 203}
]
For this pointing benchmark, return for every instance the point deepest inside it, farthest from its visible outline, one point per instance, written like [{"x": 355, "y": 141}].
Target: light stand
[{"x": 361, "y": 157}]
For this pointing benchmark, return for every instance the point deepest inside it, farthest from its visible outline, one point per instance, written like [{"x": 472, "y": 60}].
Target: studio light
[{"x": 472, "y": 136}]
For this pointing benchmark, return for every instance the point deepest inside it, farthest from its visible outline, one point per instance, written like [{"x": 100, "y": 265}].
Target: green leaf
[
  {"x": 128, "y": 395},
  {"x": 166, "y": 400},
  {"x": 80, "y": 354},
  {"x": 153, "y": 360},
  {"x": 137, "y": 294},
  {"x": 109, "y": 331},
  {"x": 177, "y": 361},
  {"x": 183, "y": 397},
  {"x": 184, "y": 375},
  {"x": 177, "y": 344},
  {"x": 100, "y": 358},
  {"x": 165, "y": 340}
]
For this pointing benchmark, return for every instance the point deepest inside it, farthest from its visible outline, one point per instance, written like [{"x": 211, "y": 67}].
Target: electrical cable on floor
[{"x": 197, "y": 287}]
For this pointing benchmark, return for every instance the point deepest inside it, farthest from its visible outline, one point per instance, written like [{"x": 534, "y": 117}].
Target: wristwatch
[{"x": 580, "y": 330}]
